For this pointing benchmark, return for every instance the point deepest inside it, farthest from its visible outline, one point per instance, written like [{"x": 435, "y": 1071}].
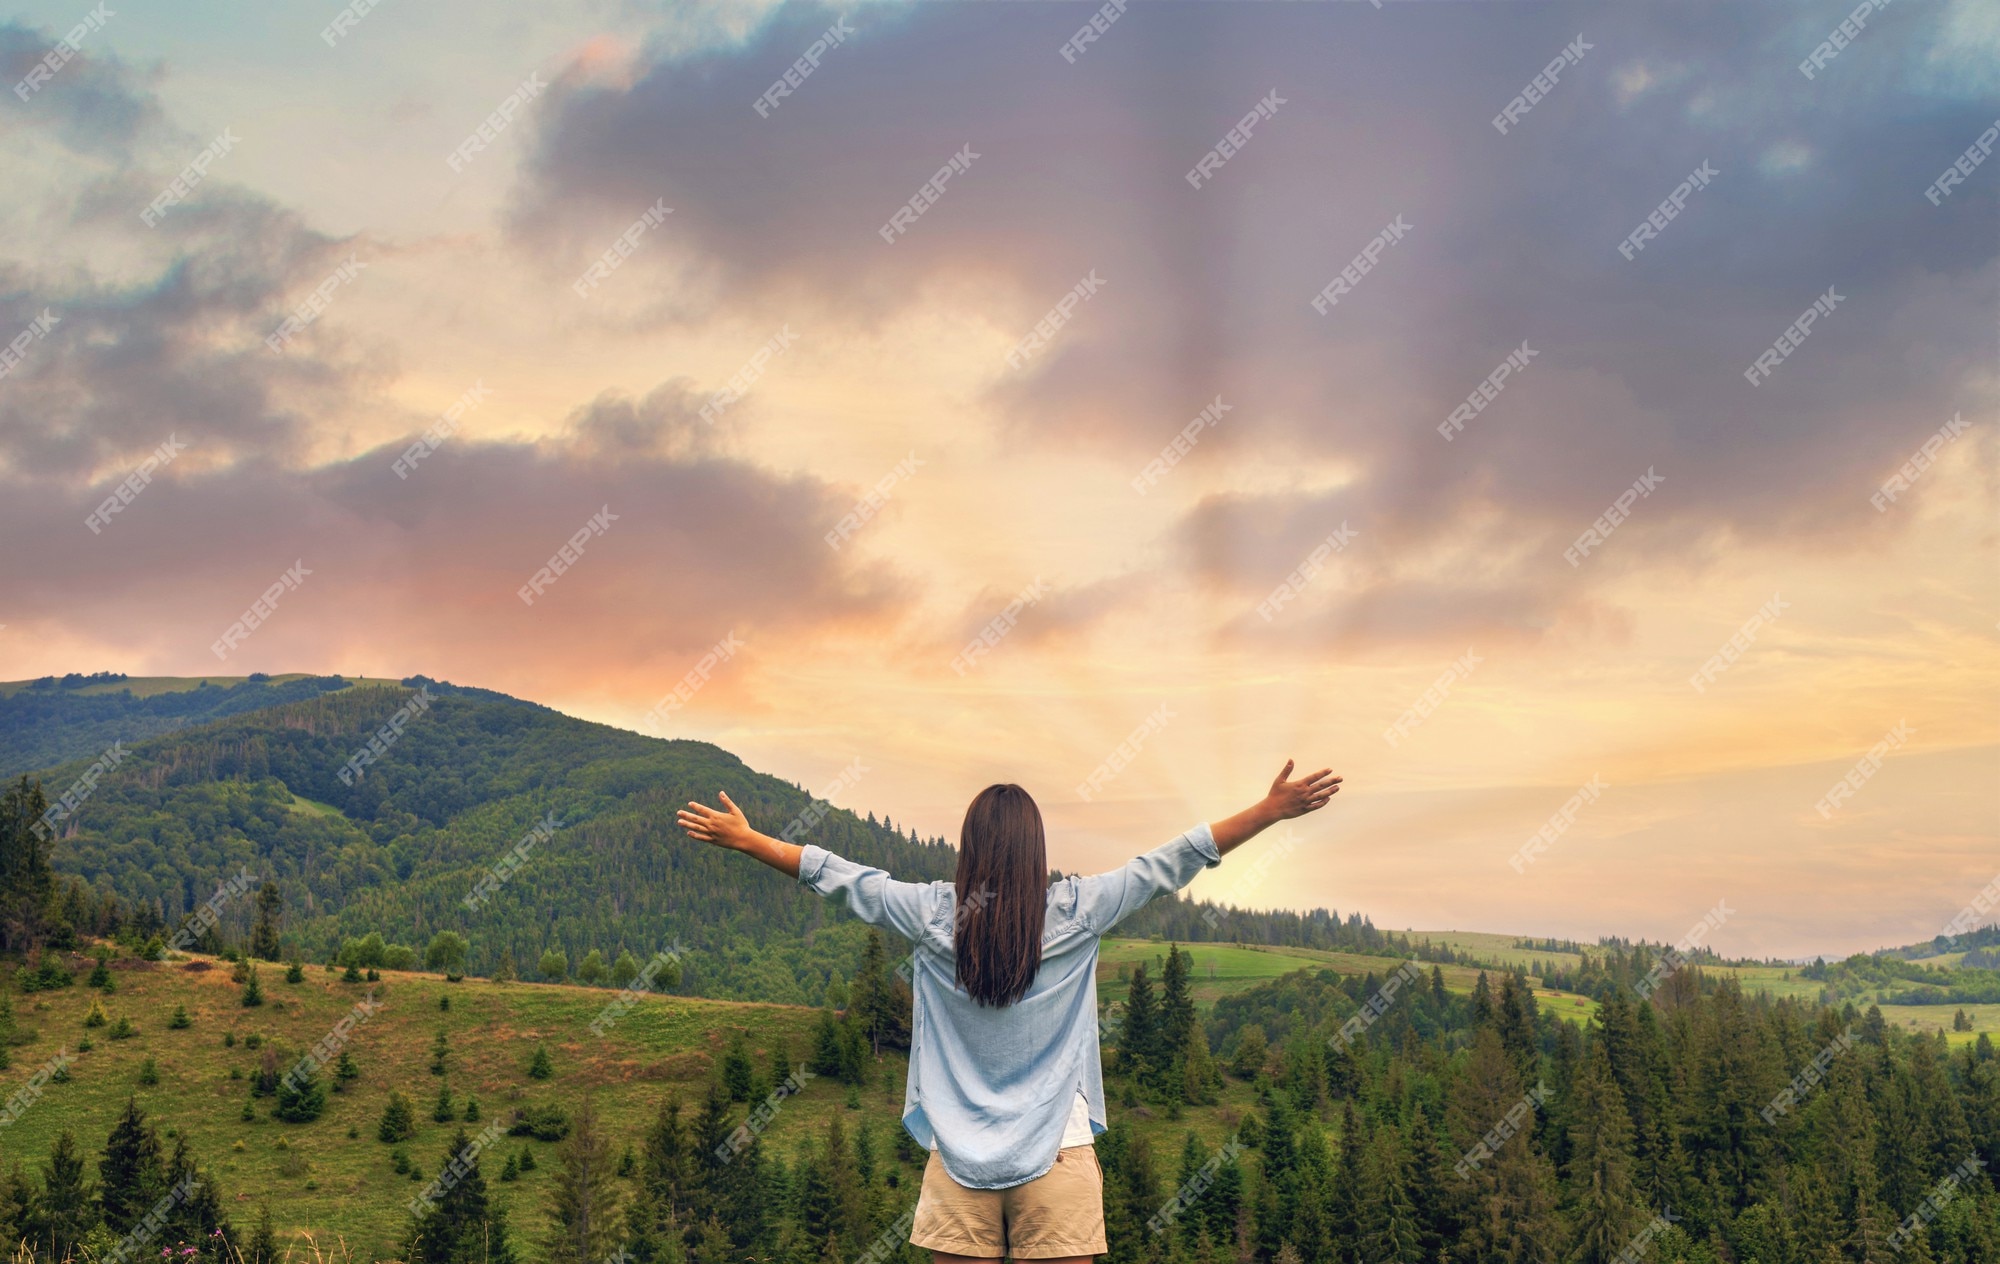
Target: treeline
[{"x": 1903, "y": 982}]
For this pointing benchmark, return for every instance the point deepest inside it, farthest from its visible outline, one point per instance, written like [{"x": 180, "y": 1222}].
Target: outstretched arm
[
  {"x": 1109, "y": 898},
  {"x": 731, "y": 829},
  {"x": 869, "y": 893},
  {"x": 1286, "y": 799}
]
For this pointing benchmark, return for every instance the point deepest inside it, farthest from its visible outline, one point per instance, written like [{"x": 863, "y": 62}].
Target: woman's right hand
[{"x": 1288, "y": 799}]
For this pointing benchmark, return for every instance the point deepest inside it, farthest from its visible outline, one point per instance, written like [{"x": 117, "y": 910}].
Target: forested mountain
[{"x": 527, "y": 831}]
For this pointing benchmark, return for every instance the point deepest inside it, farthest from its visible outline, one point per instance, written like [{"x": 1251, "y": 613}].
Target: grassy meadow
[{"x": 314, "y": 1175}]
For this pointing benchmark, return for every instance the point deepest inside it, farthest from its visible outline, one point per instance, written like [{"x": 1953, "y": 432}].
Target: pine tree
[
  {"x": 263, "y": 1247},
  {"x": 301, "y": 1094},
  {"x": 881, "y": 1000},
  {"x": 64, "y": 1210},
  {"x": 264, "y": 935},
  {"x": 345, "y": 1072},
  {"x": 828, "y": 1058},
  {"x": 1607, "y": 1211},
  {"x": 196, "y": 1216},
  {"x": 736, "y": 1070},
  {"x": 584, "y": 1212},
  {"x": 1509, "y": 1196},
  {"x": 1176, "y": 1002},
  {"x": 1389, "y": 1213},
  {"x": 253, "y": 991},
  {"x": 462, "y": 1226},
  {"x": 444, "y": 1110},
  {"x": 539, "y": 1066},
  {"x": 1139, "y": 1038},
  {"x": 1516, "y": 1021},
  {"x": 398, "y": 1121},
  {"x": 440, "y": 1050},
  {"x": 131, "y": 1173},
  {"x": 657, "y": 1213},
  {"x": 26, "y": 881},
  {"x": 831, "y": 1203}
]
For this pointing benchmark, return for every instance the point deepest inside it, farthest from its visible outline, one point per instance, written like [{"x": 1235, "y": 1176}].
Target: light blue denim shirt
[{"x": 990, "y": 1088}]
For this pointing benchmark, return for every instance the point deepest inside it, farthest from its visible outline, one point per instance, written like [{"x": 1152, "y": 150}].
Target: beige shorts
[{"x": 1059, "y": 1213}]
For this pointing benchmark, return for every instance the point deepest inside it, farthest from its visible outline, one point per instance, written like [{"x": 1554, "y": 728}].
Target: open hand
[
  {"x": 726, "y": 828},
  {"x": 1288, "y": 799}
]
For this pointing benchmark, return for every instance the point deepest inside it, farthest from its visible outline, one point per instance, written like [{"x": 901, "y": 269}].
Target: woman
[{"x": 1005, "y": 1084}]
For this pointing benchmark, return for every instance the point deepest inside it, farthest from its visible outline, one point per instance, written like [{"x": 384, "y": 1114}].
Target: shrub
[
  {"x": 47, "y": 977},
  {"x": 543, "y": 1123}
]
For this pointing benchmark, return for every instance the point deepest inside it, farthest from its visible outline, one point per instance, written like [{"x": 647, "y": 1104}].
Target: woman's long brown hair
[{"x": 1003, "y": 876}]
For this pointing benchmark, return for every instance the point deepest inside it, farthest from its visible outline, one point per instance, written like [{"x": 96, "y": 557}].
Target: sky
[{"x": 1402, "y": 389}]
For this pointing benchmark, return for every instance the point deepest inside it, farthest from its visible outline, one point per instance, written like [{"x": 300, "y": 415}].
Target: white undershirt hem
[{"x": 1076, "y": 1129}]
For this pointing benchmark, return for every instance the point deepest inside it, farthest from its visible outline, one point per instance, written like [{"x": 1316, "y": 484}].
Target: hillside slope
[{"x": 399, "y": 845}]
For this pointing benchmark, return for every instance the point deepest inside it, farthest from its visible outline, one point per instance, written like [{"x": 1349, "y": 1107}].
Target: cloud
[
  {"x": 158, "y": 331},
  {"x": 1514, "y": 239},
  {"x": 94, "y": 104},
  {"x": 404, "y": 569}
]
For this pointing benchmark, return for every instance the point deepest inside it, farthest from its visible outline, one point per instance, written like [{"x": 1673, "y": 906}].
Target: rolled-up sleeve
[
  {"x": 1109, "y": 898},
  {"x": 869, "y": 893}
]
